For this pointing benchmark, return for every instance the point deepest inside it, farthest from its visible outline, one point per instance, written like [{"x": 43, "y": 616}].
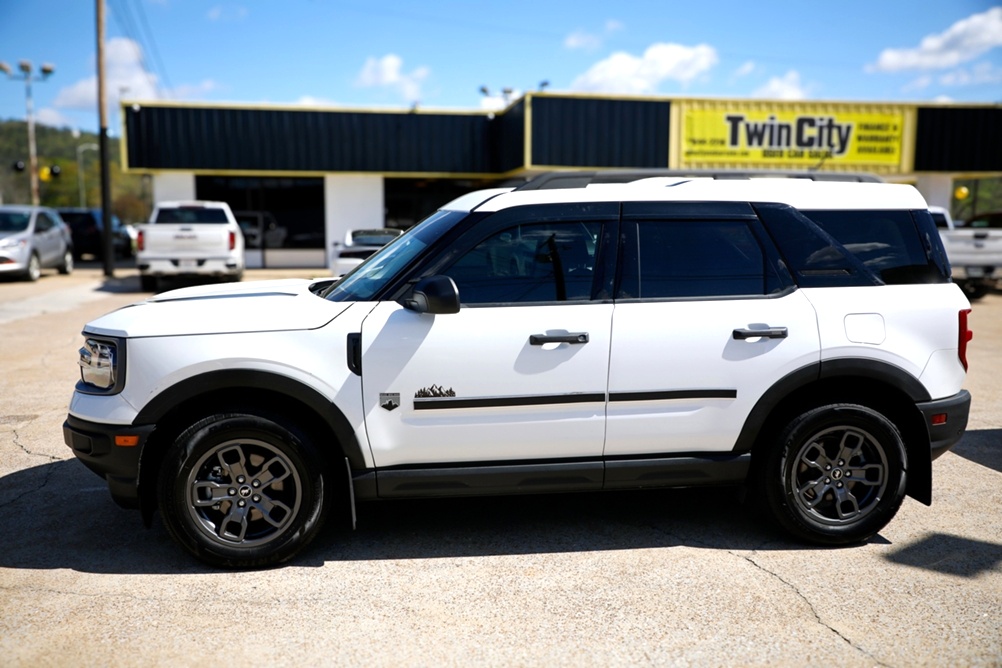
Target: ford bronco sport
[{"x": 800, "y": 338}]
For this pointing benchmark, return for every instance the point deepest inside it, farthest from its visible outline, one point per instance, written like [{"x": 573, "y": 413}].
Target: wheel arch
[
  {"x": 878, "y": 385},
  {"x": 244, "y": 391}
]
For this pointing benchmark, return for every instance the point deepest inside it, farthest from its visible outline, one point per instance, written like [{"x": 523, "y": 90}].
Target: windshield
[
  {"x": 366, "y": 280},
  {"x": 13, "y": 221}
]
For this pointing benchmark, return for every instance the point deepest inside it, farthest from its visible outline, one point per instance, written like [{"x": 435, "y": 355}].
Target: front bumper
[
  {"x": 94, "y": 444},
  {"x": 946, "y": 420}
]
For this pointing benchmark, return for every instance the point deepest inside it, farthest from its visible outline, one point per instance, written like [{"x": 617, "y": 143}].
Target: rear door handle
[
  {"x": 574, "y": 338},
  {"x": 771, "y": 333}
]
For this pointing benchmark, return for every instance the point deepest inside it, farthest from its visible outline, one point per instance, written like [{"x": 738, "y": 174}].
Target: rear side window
[
  {"x": 676, "y": 259},
  {"x": 899, "y": 247},
  {"x": 191, "y": 214}
]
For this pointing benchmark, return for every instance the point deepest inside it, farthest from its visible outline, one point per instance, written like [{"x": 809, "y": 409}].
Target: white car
[
  {"x": 358, "y": 246},
  {"x": 189, "y": 239},
  {"x": 801, "y": 338}
]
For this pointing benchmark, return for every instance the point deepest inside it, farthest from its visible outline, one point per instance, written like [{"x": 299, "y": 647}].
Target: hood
[{"x": 255, "y": 306}]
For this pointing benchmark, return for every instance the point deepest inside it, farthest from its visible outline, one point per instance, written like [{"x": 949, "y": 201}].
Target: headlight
[
  {"x": 100, "y": 366},
  {"x": 13, "y": 243}
]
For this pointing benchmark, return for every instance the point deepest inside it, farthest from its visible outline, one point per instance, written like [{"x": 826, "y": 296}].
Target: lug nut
[{"x": 231, "y": 491}]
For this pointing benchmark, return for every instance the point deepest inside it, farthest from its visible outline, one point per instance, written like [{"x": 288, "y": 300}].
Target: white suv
[{"x": 799, "y": 337}]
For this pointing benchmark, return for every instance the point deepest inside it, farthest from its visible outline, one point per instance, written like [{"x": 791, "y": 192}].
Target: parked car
[
  {"x": 87, "y": 228},
  {"x": 802, "y": 339},
  {"x": 195, "y": 239},
  {"x": 31, "y": 239},
  {"x": 974, "y": 249},
  {"x": 359, "y": 245}
]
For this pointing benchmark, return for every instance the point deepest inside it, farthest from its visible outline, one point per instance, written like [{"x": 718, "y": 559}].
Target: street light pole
[
  {"x": 80, "y": 175},
  {"x": 26, "y": 74}
]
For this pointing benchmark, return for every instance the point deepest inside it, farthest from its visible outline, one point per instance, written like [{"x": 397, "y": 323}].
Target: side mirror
[{"x": 434, "y": 294}]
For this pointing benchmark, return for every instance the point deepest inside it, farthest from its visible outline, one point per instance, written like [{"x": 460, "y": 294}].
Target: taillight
[
  {"x": 965, "y": 335},
  {"x": 140, "y": 240},
  {"x": 233, "y": 239}
]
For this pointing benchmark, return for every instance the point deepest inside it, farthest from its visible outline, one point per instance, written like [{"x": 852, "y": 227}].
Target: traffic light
[
  {"x": 18, "y": 165},
  {"x": 49, "y": 172}
]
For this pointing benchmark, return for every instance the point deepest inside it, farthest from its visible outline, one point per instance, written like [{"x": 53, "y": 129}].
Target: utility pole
[{"x": 109, "y": 253}]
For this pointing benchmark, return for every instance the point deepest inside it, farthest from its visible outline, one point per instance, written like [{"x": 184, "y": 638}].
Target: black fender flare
[
  {"x": 919, "y": 467},
  {"x": 244, "y": 379}
]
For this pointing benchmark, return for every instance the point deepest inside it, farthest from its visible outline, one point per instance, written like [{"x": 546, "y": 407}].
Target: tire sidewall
[
  {"x": 781, "y": 496},
  {"x": 204, "y": 436}
]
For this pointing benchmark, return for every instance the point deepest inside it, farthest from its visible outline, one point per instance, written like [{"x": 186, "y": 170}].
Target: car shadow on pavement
[
  {"x": 59, "y": 515},
  {"x": 982, "y": 446},
  {"x": 950, "y": 555}
]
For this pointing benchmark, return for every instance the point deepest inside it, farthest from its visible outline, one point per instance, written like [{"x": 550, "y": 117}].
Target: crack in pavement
[
  {"x": 17, "y": 442},
  {"x": 689, "y": 540},
  {"x": 807, "y": 601}
]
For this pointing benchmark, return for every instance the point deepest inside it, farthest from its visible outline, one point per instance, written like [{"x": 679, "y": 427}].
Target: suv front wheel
[
  {"x": 242, "y": 491},
  {"x": 837, "y": 475}
]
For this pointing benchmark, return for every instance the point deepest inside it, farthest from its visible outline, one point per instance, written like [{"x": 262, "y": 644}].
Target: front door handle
[
  {"x": 771, "y": 333},
  {"x": 574, "y": 338}
]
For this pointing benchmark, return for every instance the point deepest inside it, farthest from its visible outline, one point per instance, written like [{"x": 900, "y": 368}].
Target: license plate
[{"x": 188, "y": 264}]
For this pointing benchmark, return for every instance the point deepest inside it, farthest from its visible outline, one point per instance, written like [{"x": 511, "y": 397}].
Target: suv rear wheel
[
  {"x": 837, "y": 475},
  {"x": 242, "y": 491}
]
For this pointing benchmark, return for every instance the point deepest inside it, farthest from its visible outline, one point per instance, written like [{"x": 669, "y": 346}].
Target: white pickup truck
[
  {"x": 974, "y": 249},
  {"x": 189, "y": 239}
]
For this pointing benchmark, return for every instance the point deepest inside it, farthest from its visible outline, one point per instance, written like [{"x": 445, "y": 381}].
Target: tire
[
  {"x": 837, "y": 475},
  {"x": 973, "y": 290},
  {"x": 34, "y": 269},
  {"x": 66, "y": 266},
  {"x": 242, "y": 491},
  {"x": 148, "y": 283}
]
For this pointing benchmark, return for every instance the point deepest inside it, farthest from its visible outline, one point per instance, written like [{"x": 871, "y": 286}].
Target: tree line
[{"x": 131, "y": 194}]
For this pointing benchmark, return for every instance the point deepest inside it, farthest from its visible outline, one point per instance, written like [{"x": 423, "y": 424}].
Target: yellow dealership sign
[{"x": 791, "y": 135}]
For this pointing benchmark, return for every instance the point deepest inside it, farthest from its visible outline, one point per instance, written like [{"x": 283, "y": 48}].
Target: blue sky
[{"x": 439, "y": 54}]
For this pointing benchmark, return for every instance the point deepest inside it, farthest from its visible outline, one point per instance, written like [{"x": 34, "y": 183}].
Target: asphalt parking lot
[{"x": 680, "y": 577}]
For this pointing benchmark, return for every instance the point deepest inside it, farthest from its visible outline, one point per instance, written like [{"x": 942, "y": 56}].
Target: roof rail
[{"x": 580, "y": 179}]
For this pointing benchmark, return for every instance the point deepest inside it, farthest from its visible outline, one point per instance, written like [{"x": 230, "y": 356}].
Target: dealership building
[{"x": 305, "y": 176}]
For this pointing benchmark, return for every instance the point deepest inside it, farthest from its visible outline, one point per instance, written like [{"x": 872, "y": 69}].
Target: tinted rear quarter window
[{"x": 898, "y": 246}]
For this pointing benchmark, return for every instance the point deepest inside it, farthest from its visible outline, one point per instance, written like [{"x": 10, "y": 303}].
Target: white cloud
[
  {"x": 124, "y": 73},
  {"x": 231, "y": 13},
  {"x": 965, "y": 40},
  {"x": 387, "y": 72},
  {"x": 982, "y": 73},
  {"x": 579, "y": 39},
  {"x": 921, "y": 83},
  {"x": 125, "y": 77},
  {"x": 587, "y": 41},
  {"x": 786, "y": 87},
  {"x": 746, "y": 68},
  {"x": 311, "y": 101},
  {"x": 625, "y": 73},
  {"x": 53, "y": 117},
  {"x": 492, "y": 102}
]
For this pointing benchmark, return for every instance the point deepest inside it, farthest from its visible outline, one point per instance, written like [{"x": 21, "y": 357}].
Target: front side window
[
  {"x": 529, "y": 262},
  {"x": 675, "y": 259},
  {"x": 43, "y": 223}
]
